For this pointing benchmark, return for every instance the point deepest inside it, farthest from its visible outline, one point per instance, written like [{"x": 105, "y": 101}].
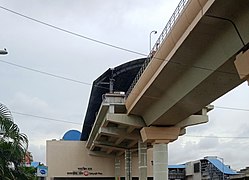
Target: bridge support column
[
  {"x": 242, "y": 65},
  {"x": 117, "y": 168},
  {"x": 160, "y": 137},
  {"x": 142, "y": 161},
  {"x": 160, "y": 161},
  {"x": 128, "y": 175}
]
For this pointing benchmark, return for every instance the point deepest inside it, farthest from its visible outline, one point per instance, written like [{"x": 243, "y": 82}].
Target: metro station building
[
  {"x": 136, "y": 109},
  {"x": 99, "y": 158},
  {"x": 70, "y": 160},
  {"x": 110, "y": 145}
]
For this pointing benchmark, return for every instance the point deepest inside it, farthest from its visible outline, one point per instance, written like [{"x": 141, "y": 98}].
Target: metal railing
[{"x": 169, "y": 26}]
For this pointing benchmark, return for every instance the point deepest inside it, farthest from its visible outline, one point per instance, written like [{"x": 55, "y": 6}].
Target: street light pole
[{"x": 154, "y": 32}]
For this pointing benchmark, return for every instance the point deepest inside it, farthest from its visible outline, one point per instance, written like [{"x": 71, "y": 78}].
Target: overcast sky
[{"x": 123, "y": 23}]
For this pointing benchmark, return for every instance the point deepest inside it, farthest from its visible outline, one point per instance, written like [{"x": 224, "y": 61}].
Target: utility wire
[
  {"x": 111, "y": 45},
  {"x": 46, "y": 73},
  {"x": 231, "y": 108},
  {"x": 70, "y": 79},
  {"x": 89, "y": 84},
  {"x": 77, "y": 81},
  {"x": 70, "y": 32},
  {"x": 100, "y": 42},
  {"x": 217, "y": 137},
  {"x": 47, "y": 118},
  {"x": 50, "y": 74},
  {"x": 186, "y": 135}
]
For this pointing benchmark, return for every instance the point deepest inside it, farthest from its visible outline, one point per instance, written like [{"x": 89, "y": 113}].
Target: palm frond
[{"x": 5, "y": 112}]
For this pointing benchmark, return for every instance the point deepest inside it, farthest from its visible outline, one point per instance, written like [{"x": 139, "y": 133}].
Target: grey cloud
[{"x": 123, "y": 23}]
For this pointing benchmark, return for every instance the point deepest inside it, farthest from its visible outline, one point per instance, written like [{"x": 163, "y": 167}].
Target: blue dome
[{"x": 72, "y": 135}]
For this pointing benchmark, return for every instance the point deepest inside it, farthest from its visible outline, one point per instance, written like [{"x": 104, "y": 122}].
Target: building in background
[
  {"x": 102, "y": 155},
  {"x": 69, "y": 159},
  {"x": 243, "y": 174},
  {"x": 208, "y": 168},
  {"x": 177, "y": 172}
]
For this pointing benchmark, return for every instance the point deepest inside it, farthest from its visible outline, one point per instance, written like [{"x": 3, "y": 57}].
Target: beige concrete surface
[{"x": 65, "y": 157}]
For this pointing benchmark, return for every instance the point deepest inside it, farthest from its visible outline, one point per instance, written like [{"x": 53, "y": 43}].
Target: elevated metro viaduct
[{"x": 201, "y": 55}]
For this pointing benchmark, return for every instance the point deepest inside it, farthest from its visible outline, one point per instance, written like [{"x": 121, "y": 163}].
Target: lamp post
[
  {"x": 3, "y": 52},
  {"x": 152, "y": 32}
]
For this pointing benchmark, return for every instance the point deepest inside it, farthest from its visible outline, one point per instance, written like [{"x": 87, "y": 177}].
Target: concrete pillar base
[
  {"x": 142, "y": 164},
  {"x": 160, "y": 161},
  {"x": 117, "y": 168},
  {"x": 128, "y": 175},
  {"x": 160, "y": 137}
]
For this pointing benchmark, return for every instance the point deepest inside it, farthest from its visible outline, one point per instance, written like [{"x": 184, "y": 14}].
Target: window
[{"x": 196, "y": 167}]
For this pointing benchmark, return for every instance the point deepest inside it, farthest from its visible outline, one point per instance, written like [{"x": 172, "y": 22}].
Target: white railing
[{"x": 169, "y": 26}]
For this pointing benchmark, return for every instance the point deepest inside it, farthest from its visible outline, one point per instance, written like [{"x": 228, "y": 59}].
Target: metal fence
[{"x": 169, "y": 26}]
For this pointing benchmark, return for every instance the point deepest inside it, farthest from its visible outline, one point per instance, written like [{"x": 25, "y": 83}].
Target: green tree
[{"x": 13, "y": 148}]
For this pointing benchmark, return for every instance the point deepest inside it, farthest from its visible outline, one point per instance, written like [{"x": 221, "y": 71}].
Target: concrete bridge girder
[
  {"x": 114, "y": 131},
  {"x": 200, "y": 70}
]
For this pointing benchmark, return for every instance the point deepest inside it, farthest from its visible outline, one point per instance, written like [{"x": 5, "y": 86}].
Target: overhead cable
[
  {"x": 50, "y": 74},
  {"x": 186, "y": 135},
  {"x": 70, "y": 32},
  {"x": 89, "y": 84},
  {"x": 108, "y": 44},
  {"x": 217, "y": 137},
  {"x": 47, "y": 118}
]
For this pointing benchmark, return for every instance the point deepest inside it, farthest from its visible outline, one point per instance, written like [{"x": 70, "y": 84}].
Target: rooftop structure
[
  {"x": 72, "y": 135},
  {"x": 174, "y": 88},
  {"x": 121, "y": 77}
]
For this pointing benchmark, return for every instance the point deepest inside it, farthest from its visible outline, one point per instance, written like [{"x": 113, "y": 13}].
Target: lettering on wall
[{"x": 85, "y": 171}]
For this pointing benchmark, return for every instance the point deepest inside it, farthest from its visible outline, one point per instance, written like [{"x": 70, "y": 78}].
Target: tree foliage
[{"x": 13, "y": 148}]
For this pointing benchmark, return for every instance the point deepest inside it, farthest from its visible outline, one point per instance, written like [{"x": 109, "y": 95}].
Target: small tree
[{"x": 13, "y": 147}]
